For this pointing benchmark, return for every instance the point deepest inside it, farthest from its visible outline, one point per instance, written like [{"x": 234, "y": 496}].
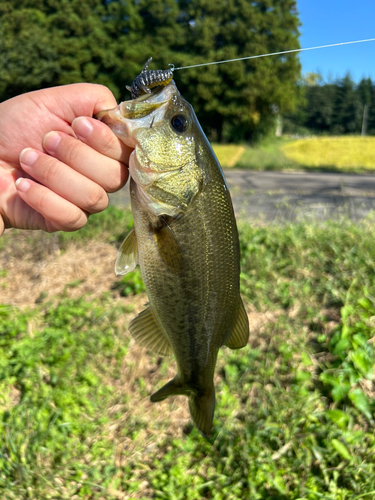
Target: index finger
[{"x": 100, "y": 137}]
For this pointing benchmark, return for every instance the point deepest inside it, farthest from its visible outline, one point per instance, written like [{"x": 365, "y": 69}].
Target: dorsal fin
[
  {"x": 240, "y": 334},
  {"x": 145, "y": 330}
]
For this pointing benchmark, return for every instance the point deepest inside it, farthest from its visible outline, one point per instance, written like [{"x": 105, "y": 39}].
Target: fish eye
[{"x": 179, "y": 123}]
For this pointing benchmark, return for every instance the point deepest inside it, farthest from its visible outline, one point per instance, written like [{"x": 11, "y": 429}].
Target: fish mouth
[
  {"x": 126, "y": 118},
  {"x": 142, "y": 112}
]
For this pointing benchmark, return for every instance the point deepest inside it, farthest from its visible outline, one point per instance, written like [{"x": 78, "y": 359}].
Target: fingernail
[
  {"x": 28, "y": 156},
  {"x": 51, "y": 141},
  {"x": 22, "y": 184},
  {"x": 82, "y": 127}
]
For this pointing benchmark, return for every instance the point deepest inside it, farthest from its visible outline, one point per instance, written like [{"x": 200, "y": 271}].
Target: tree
[
  {"x": 371, "y": 112},
  {"x": 366, "y": 96},
  {"x": 53, "y": 42},
  {"x": 238, "y": 100},
  {"x": 347, "y": 113},
  {"x": 335, "y": 107},
  {"x": 320, "y": 106}
]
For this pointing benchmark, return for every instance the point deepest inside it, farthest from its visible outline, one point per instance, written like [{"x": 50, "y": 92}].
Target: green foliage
[
  {"x": 53, "y": 363},
  {"x": 351, "y": 345},
  {"x": 334, "y": 108},
  {"x": 238, "y": 101},
  {"x": 45, "y": 43},
  {"x": 130, "y": 284},
  {"x": 110, "y": 225},
  {"x": 299, "y": 265},
  {"x": 295, "y": 408},
  {"x": 267, "y": 155}
]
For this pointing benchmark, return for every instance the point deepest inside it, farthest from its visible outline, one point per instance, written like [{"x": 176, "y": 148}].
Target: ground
[{"x": 295, "y": 408}]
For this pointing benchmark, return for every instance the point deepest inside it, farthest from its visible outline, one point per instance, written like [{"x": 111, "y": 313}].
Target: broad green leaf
[
  {"x": 359, "y": 400},
  {"x": 340, "y": 391},
  {"x": 358, "y": 340},
  {"x": 363, "y": 362},
  {"x": 306, "y": 360},
  {"x": 342, "y": 345},
  {"x": 302, "y": 376},
  {"x": 353, "y": 436},
  {"x": 341, "y": 449},
  {"x": 339, "y": 417},
  {"x": 365, "y": 303},
  {"x": 346, "y": 311}
]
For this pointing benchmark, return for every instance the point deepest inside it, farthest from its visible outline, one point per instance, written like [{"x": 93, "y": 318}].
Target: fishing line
[{"x": 271, "y": 54}]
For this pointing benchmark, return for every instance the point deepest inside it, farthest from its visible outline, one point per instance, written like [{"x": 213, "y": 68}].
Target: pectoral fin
[
  {"x": 240, "y": 334},
  {"x": 127, "y": 257},
  {"x": 145, "y": 330}
]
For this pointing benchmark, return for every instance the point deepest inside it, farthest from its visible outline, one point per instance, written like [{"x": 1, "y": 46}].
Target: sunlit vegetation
[
  {"x": 345, "y": 153},
  {"x": 295, "y": 408}
]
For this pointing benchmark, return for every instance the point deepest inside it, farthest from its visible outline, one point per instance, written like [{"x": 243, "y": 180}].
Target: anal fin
[
  {"x": 201, "y": 405},
  {"x": 240, "y": 333},
  {"x": 145, "y": 330},
  {"x": 172, "y": 388}
]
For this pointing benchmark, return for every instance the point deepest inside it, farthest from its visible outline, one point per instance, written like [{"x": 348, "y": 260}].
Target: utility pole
[{"x": 364, "y": 121}]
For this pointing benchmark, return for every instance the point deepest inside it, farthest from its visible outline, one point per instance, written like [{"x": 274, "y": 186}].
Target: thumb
[{"x": 79, "y": 99}]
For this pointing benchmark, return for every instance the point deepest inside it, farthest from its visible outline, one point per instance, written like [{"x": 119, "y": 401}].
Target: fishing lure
[{"x": 147, "y": 80}]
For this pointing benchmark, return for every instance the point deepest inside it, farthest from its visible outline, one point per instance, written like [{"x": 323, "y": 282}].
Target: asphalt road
[{"x": 278, "y": 196}]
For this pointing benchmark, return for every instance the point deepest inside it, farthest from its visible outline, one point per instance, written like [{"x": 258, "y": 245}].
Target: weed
[
  {"x": 295, "y": 408},
  {"x": 130, "y": 284}
]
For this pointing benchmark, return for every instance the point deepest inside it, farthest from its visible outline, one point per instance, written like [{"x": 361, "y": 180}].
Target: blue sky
[{"x": 332, "y": 21}]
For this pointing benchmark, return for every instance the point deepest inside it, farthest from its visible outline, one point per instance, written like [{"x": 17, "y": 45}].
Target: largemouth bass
[{"x": 186, "y": 242}]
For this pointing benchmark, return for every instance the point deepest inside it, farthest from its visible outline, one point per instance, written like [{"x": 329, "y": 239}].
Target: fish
[{"x": 185, "y": 241}]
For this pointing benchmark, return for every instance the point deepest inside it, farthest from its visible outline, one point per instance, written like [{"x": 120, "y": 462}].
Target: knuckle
[
  {"x": 43, "y": 201},
  {"x": 73, "y": 154},
  {"x": 117, "y": 179},
  {"x": 76, "y": 220},
  {"x": 106, "y": 141},
  {"x": 96, "y": 200},
  {"x": 49, "y": 171}
]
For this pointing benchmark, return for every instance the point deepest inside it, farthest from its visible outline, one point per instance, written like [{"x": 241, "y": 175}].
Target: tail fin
[
  {"x": 202, "y": 409},
  {"x": 201, "y": 406}
]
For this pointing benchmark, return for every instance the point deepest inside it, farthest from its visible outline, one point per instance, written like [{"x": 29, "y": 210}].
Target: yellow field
[
  {"x": 228, "y": 154},
  {"x": 345, "y": 153}
]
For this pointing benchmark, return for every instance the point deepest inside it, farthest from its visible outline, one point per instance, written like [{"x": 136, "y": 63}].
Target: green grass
[
  {"x": 295, "y": 408},
  {"x": 267, "y": 156}
]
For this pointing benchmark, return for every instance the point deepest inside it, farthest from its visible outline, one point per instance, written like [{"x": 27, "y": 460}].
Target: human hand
[{"x": 71, "y": 162}]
